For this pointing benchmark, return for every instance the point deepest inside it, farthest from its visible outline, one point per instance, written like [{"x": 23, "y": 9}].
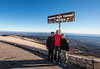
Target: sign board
[{"x": 64, "y": 17}]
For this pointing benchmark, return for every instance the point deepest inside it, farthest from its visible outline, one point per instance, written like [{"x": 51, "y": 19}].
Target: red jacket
[{"x": 57, "y": 40}]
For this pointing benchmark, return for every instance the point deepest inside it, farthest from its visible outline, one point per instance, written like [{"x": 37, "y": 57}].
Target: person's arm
[
  {"x": 53, "y": 41},
  {"x": 67, "y": 44}
]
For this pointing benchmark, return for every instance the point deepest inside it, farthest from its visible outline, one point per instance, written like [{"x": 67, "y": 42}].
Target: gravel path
[{"x": 12, "y": 57}]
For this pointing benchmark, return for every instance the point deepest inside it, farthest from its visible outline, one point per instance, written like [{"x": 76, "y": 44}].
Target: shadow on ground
[
  {"x": 32, "y": 63},
  {"x": 24, "y": 64}
]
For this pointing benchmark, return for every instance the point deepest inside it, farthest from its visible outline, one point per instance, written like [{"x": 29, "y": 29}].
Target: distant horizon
[{"x": 49, "y": 32}]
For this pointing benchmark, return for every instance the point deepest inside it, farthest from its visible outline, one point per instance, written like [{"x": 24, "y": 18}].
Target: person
[
  {"x": 64, "y": 49},
  {"x": 50, "y": 46},
  {"x": 57, "y": 47}
]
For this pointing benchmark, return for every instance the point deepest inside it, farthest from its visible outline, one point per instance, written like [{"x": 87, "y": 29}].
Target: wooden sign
[{"x": 64, "y": 17}]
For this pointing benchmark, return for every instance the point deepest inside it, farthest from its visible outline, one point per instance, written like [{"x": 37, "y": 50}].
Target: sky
[{"x": 31, "y": 15}]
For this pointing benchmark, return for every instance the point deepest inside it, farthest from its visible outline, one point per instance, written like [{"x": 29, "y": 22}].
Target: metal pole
[
  {"x": 59, "y": 24},
  {"x": 59, "y": 27}
]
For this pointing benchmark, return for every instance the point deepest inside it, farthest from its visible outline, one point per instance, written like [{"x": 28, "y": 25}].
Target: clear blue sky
[{"x": 31, "y": 15}]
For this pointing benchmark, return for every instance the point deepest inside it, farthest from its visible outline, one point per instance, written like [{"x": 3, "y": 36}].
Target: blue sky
[{"x": 31, "y": 15}]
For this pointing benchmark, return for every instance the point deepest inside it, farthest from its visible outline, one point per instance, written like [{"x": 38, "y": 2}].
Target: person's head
[
  {"x": 52, "y": 34},
  {"x": 57, "y": 32},
  {"x": 62, "y": 36}
]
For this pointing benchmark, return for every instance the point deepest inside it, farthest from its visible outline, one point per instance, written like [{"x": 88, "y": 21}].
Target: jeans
[
  {"x": 50, "y": 54},
  {"x": 63, "y": 56},
  {"x": 57, "y": 51}
]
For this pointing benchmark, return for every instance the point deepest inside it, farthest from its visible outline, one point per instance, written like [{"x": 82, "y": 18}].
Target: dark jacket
[
  {"x": 64, "y": 44},
  {"x": 50, "y": 42}
]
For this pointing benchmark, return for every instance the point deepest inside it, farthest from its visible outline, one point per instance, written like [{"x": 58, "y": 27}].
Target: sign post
[
  {"x": 59, "y": 27},
  {"x": 59, "y": 24},
  {"x": 60, "y": 18}
]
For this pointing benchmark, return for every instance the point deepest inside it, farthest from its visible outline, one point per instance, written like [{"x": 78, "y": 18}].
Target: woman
[{"x": 64, "y": 49}]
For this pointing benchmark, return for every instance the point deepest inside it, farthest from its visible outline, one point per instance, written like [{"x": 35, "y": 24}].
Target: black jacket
[
  {"x": 50, "y": 42},
  {"x": 64, "y": 44}
]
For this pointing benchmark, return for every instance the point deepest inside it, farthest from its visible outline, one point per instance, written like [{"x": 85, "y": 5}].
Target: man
[
  {"x": 50, "y": 46},
  {"x": 57, "y": 47}
]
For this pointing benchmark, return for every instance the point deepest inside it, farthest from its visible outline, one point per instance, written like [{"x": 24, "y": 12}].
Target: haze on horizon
[{"x": 31, "y": 15}]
